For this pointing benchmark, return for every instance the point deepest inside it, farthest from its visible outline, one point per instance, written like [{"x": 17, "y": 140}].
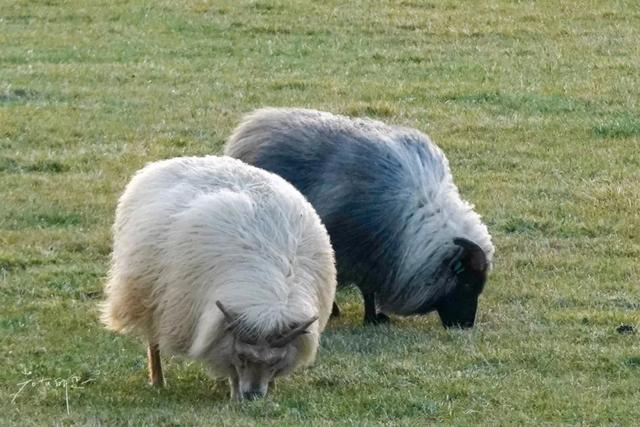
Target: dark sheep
[{"x": 399, "y": 228}]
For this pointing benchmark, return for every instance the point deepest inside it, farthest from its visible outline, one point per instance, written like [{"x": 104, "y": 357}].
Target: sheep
[
  {"x": 221, "y": 262},
  {"x": 399, "y": 228}
]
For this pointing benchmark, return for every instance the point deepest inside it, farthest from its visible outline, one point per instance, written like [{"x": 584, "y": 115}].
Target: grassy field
[{"x": 535, "y": 104}]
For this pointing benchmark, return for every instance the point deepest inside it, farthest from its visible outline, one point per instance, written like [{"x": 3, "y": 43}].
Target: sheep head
[
  {"x": 468, "y": 269},
  {"x": 257, "y": 362}
]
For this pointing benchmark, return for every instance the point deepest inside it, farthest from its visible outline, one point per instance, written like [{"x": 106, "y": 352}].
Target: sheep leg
[
  {"x": 234, "y": 383},
  {"x": 369, "y": 309},
  {"x": 156, "y": 379},
  {"x": 272, "y": 386},
  {"x": 335, "y": 310},
  {"x": 371, "y": 316}
]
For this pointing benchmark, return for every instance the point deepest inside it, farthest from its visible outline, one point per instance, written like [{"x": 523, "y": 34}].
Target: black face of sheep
[
  {"x": 469, "y": 270},
  {"x": 459, "y": 309}
]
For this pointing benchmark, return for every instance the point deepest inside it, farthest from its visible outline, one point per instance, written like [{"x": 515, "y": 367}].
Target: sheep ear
[
  {"x": 227, "y": 315},
  {"x": 472, "y": 259},
  {"x": 295, "y": 332}
]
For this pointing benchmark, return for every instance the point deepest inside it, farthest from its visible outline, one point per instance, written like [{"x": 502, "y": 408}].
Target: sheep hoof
[{"x": 379, "y": 319}]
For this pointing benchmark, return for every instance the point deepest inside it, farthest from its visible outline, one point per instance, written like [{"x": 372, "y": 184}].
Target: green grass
[{"x": 535, "y": 104}]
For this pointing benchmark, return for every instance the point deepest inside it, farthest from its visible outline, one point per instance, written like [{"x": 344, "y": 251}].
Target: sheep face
[
  {"x": 256, "y": 362},
  {"x": 256, "y": 365},
  {"x": 461, "y": 276},
  {"x": 469, "y": 274},
  {"x": 458, "y": 309}
]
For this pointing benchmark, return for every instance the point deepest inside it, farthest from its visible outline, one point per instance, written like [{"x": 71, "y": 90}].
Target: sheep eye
[{"x": 458, "y": 268}]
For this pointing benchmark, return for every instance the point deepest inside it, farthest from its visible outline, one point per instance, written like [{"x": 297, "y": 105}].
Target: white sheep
[{"x": 221, "y": 262}]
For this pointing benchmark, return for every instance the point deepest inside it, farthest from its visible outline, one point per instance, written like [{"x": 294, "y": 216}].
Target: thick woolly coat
[
  {"x": 385, "y": 194},
  {"x": 194, "y": 230}
]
